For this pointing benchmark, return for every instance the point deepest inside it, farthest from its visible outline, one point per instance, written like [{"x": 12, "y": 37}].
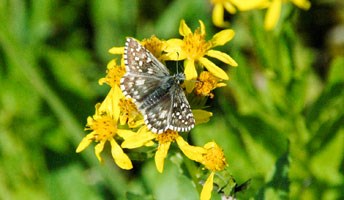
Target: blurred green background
[{"x": 279, "y": 121}]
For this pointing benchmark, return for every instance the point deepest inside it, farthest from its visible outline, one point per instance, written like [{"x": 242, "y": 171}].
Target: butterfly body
[
  {"x": 155, "y": 92},
  {"x": 167, "y": 84}
]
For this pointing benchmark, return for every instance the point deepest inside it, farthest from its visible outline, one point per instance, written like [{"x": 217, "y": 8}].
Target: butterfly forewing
[
  {"x": 155, "y": 92},
  {"x": 138, "y": 60}
]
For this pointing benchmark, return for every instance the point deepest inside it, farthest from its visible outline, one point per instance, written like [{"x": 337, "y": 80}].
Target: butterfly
[{"x": 156, "y": 93}]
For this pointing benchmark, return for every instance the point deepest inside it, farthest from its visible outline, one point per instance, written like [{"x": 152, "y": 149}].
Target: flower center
[
  {"x": 129, "y": 111},
  {"x": 113, "y": 75},
  {"x": 154, "y": 45},
  {"x": 167, "y": 136},
  {"x": 195, "y": 45},
  {"x": 205, "y": 84},
  {"x": 105, "y": 128},
  {"x": 214, "y": 159}
]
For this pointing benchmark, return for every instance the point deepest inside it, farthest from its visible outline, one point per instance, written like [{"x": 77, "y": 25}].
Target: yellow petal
[
  {"x": 221, "y": 85},
  {"x": 229, "y": 7},
  {"x": 90, "y": 119},
  {"x": 120, "y": 158},
  {"x": 192, "y": 152},
  {"x": 136, "y": 124},
  {"x": 184, "y": 29},
  {"x": 251, "y": 4},
  {"x": 189, "y": 85},
  {"x": 218, "y": 15},
  {"x": 273, "y": 15},
  {"x": 160, "y": 156},
  {"x": 85, "y": 142},
  {"x": 110, "y": 103},
  {"x": 139, "y": 139},
  {"x": 124, "y": 133},
  {"x": 304, "y": 4},
  {"x": 98, "y": 149},
  {"x": 222, "y": 56},
  {"x": 207, "y": 187},
  {"x": 210, "y": 145},
  {"x": 173, "y": 44},
  {"x": 201, "y": 116},
  {"x": 174, "y": 50},
  {"x": 212, "y": 68},
  {"x": 222, "y": 37},
  {"x": 202, "y": 27},
  {"x": 190, "y": 70},
  {"x": 116, "y": 50},
  {"x": 149, "y": 144}
]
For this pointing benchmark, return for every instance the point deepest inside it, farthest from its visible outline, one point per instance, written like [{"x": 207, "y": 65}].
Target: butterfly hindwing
[
  {"x": 181, "y": 116},
  {"x": 158, "y": 116}
]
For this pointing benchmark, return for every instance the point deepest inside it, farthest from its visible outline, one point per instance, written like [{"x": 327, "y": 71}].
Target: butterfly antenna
[{"x": 177, "y": 61}]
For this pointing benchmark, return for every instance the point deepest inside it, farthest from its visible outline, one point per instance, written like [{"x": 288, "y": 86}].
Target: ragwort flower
[
  {"x": 129, "y": 113},
  {"x": 114, "y": 74},
  {"x": 218, "y": 11},
  {"x": 155, "y": 46},
  {"x": 206, "y": 83},
  {"x": 164, "y": 140},
  {"x": 231, "y": 6},
  {"x": 274, "y": 11},
  {"x": 194, "y": 47},
  {"x": 104, "y": 129},
  {"x": 213, "y": 160}
]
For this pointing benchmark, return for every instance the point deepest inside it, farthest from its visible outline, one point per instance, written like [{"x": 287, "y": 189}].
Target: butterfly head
[{"x": 179, "y": 78}]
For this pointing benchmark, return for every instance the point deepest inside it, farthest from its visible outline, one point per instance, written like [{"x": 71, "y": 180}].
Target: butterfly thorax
[
  {"x": 179, "y": 78},
  {"x": 166, "y": 85}
]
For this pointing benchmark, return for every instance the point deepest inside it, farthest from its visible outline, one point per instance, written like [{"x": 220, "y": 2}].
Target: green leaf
[
  {"x": 278, "y": 186},
  {"x": 325, "y": 116},
  {"x": 336, "y": 73},
  {"x": 71, "y": 183}
]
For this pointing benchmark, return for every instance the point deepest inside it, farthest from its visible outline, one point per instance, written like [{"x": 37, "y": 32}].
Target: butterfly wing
[
  {"x": 145, "y": 76},
  {"x": 138, "y": 60},
  {"x": 157, "y": 116},
  {"x": 181, "y": 118},
  {"x": 143, "y": 72}
]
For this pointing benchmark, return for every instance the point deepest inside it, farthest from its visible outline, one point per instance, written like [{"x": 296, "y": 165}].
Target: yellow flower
[
  {"x": 274, "y": 11},
  {"x": 152, "y": 44},
  {"x": 206, "y": 83},
  {"x": 144, "y": 137},
  {"x": 214, "y": 160},
  {"x": 251, "y": 4},
  {"x": 218, "y": 11},
  {"x": 155, "y": 46},
  {"x": 129, "y": 113},
  {"x": 114, "y": 74},
  {"x": 193, "y": 48},
  {"x": 104, "y": 128},
  {"x": 230, "y": 6},
  {"x": 165, "y": 139}
]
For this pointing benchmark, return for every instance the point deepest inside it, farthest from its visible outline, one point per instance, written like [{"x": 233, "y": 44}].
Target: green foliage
[{"x": 279, "y": 121}]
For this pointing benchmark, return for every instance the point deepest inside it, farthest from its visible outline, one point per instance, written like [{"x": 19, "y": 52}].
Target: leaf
[
  {"x": 278, "y": 186},
  {"x": 336, "y": 71},
  {"x": 325, "y": 116}
]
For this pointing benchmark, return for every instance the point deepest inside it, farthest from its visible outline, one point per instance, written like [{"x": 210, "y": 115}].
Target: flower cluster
[
  {"x": 119, "y": 122},
  {"x": 273, "y": 9}
]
